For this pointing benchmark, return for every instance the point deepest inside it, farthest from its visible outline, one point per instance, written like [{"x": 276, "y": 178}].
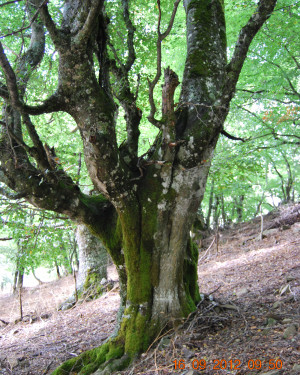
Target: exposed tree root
[{"x": 104, "y": 360}]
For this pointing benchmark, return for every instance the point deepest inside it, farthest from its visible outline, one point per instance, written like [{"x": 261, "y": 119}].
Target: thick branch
[
  {"x": 50, "y": 25},
  {"x": 130, "y": 36},
  {"x": 88, "y": 26},
  {"x": 11, "y": 79},
  {"x": 54, "y": 103},
  {"x": 232, "y": 137},
  {"x": 9, "y": 194},
  {"x": 133, "y": 114},
  {"x": 40, "y": 153}
]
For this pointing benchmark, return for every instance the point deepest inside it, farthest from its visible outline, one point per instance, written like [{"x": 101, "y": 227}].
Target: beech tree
[{"x": 147, "y": 202}]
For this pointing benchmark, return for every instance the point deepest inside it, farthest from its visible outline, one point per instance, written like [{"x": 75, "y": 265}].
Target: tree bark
[{"x": 92, "y": 263}]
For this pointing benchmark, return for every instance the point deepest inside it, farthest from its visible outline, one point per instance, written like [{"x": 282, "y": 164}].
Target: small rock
[
  {"x": 229, "y": 307},
  {"x": 187, "y": 353},
  {"x": 275, "y": 316},
  {"x": 67, "y": 304},
  {"x": 287, "y": 321},
  {"x": 296, "y": 228},
  {"x": 296, "y": 368},
  {"x": 277, "y": 304},
  {"x": 286, "y": 289},
  {"x": 290, "y": 331},
  {"x": 45, "y": 316},
  {"x": 241, "y": 292},
  {"x": 290, "y": 278},
  {"x": 266, "y": 331},
  {"x": 271, "y": 322},
  {"x": 164, "y": 343}
]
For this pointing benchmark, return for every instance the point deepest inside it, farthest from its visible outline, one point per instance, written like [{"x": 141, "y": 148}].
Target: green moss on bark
[
  {"x": 191, "y": 277},
  {"x": 88, "y": 362},
  {"x": 92, "y": 286}
]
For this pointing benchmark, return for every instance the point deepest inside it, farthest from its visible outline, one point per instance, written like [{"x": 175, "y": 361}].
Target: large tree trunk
[{"x": 161, "y": 265}]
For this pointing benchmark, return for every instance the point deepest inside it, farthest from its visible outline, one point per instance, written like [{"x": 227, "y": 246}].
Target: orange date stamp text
[{"x": 222, "y": 364}]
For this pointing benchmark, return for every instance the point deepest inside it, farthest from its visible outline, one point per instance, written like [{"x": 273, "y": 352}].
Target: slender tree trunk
[
  {"x": 15, "y": 282},
  {"x": 19, "y": 273},
  {"x": 225, "y": 219},
  {"x": 216, "y": 212},
  {"x": 210, "y": 203},
  {"x": 239, "y": 208},
  {"x": 57, "y": 270},
  {"x": 34, "y": 275},
  {"x": 20, "y": 289},
  {"x": 18, "y": 280}
]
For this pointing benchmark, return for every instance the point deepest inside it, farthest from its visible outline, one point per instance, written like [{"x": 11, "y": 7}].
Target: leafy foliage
[{"x": 265, "y": 112}]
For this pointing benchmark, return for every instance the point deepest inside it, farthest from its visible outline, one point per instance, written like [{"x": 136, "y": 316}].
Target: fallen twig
[
  {"x": 4, "y": 322},
  {"x": 47, "y": 368}
]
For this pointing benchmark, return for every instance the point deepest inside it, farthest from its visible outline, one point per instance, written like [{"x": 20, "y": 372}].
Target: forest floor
[{"x": 247, "y": 323}]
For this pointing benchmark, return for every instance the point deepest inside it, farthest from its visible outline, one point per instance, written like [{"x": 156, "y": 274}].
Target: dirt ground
[{"x": 247, "y": 323}]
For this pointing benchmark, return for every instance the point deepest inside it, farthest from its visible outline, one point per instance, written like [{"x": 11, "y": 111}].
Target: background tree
[
  {"x": 92, "y": 271},
  {"x": 148, "y": 201},
  {"x": 32, "y": 238}
]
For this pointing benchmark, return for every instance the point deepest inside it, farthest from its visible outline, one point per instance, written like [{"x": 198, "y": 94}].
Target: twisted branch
[{"x": 160, "y": 38}]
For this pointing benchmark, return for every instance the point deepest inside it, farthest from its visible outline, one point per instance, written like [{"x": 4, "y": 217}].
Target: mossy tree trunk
[{"x": 147, "y": 204}]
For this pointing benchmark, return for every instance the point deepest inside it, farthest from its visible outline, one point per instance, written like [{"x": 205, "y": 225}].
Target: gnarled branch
[
  {"x": 127, "y": 99},
  {"x": 11, "y": 79},
  {"x": 130, "y": 36},
  {"x": 160, "y": 37},
  {"x": 54, "y": 32}
]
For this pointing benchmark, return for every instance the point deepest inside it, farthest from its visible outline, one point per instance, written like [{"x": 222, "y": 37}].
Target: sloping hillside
[{"x": 247, "y": 323}]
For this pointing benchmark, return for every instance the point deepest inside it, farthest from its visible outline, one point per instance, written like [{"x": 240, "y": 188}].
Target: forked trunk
[{"x": 161, "y": 266}]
